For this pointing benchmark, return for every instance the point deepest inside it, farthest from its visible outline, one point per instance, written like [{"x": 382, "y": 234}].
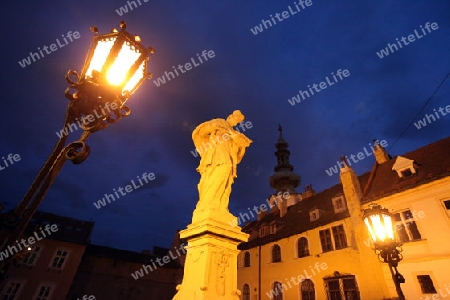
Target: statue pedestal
[{"x": 210, "y": 271}]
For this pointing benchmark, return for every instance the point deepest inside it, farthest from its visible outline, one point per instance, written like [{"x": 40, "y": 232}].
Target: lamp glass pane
[
  {"x": 378, "y": 228},
  {"x": 369, "y": 228},
  {"x": 134, "y": 80},
  {"x": 388, "y": 226},
  {"x": 101, "y": 53},
  {"x": 123, "y": 62}
]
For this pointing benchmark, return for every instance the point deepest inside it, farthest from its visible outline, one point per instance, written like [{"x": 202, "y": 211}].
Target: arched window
[
  {"x": 302, "y": 247},
  {"x": 276, "y": 253},
  {"x": 277, "y": 291},
  {"x": 341, "y": 286},
  {"x": 246, "y": 292},
  {"x": 246, "y": 259},
  {"x": 307, "y": 290}
]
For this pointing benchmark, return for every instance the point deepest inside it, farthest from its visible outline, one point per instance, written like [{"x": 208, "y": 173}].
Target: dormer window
[
  {"x": 273, "y": 228},
  {"x": 314, "y": 215},
  {"x": 404, "y": 167},
  {"x": 339, "y": 204},
  {"x": 406, "y": 173},
  {"x": 446, "y": 204},
  {"x": 262, "y": 231}
]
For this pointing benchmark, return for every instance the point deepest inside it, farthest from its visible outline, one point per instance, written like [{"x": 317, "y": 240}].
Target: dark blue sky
[{"x": 254, "y": 73}]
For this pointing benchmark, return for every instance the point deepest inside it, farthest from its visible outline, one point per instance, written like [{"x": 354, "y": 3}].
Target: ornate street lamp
[
  {"x": 115, "y": 67},
  {"x": 379, "y": 224}
]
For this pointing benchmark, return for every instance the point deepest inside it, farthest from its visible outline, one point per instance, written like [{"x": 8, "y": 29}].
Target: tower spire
[{"x": 284, "y": 179}]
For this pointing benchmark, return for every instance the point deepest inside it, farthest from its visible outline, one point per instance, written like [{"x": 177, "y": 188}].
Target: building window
[
  {"x": 59, "y": 259},
  {"x": 277, "y": 291},
  {"x": 262, "y": 231},
  {"x": 339, "y": 204},
  {"x": 340, "y": 241},
  {"x": 273, "y": 228},
  {"x": 30, "y": 258},
  {"x": 342, "y": 288},
  {"x": 11, "y": 291},
  {"x": 246, "y": 292},
  {"x": 406, "y": 227},
  {"x": 307, "y": 290},
  {"x": 325, "y": 240},
  {"x": 302, "y": 247},
  {"x": 246, "y": 259},
  {"x": 276, "y": 253},
  {"x": 447, "y": 206},
  {"x": 314, "y": 215},
  {"x": 426, "y": 284},
  {"x": 43, "y": 293},
  {"x": 406, "y": 173}
]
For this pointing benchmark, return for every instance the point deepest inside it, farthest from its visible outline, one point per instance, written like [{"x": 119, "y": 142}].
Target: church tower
[{"x": 284, "y": 180}]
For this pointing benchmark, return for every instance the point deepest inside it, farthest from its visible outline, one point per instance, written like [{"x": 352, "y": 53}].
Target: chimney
[
  {"x": 309, "y": 192},
  {"x": 278, "y": 204},
  {"x": 283, "y": 208},
  {"x": 380, "y": 152},
  {"x": 261, "y": 215}
]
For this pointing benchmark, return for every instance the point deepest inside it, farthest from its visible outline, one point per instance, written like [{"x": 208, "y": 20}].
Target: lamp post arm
[
  {"x": 44, "y": 170},
  {"x": 77, "y": 152},
  {"x": 13, "y": 218}
]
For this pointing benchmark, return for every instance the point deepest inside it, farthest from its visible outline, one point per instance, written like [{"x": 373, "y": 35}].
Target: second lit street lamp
[
  {"x": 379, "y": 224},
  {"x": 115, "y": 67}
]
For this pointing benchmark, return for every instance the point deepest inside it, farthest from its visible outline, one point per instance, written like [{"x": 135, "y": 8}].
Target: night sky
[{"x": 256, "y": 74}]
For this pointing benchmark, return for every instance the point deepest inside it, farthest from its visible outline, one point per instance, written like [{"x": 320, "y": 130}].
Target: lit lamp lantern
[
  {"x": 115, "y": 67},
  {"x": 381, "y": 230},
  {"x": 379, "y": 224}
]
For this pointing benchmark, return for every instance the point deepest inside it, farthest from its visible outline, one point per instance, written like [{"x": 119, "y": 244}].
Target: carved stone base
[{"x": 210, "y": 271}]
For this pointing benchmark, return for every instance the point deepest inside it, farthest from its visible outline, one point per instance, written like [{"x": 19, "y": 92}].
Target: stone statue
[
  {"x": 213, "y": 236},
  {"x": 223, "y": 149}
]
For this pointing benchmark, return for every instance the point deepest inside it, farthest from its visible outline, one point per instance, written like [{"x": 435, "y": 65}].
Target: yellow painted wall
[
  {"x": 428, "y": 256},
  {"x": 431, "y": 254},
  {"x": 317, "y": 266}
]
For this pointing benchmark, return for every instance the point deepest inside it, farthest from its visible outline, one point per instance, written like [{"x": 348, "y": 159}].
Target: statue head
[{"x": 235, "y": 118}]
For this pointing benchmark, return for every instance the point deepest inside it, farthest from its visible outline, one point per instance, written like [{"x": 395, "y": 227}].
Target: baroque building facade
[
  {"x": 46, "y": 269},
  {"x": 66, "y": 266},
  {"x": 316, "y": 246}
]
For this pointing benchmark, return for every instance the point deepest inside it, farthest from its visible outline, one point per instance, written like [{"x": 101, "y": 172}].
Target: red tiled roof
[
  {"x": 433, "y": 162},
  {"x": 297, "y": 218}
]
